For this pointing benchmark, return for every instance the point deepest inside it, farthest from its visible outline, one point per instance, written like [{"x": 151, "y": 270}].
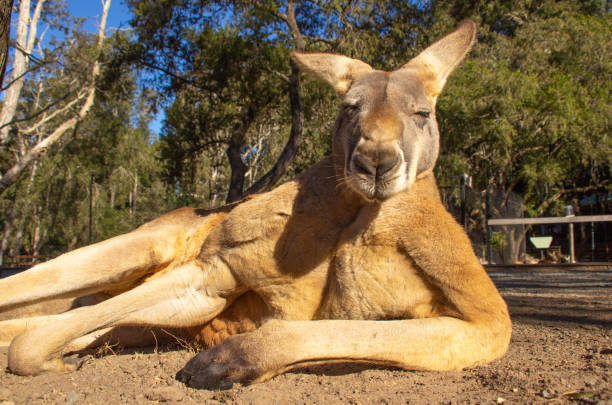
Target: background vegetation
[{"x": 528, "y": 113}]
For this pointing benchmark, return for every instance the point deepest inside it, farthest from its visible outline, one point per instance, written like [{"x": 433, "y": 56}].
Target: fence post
[
  {"x": 463, "y": 216},
  {"x": 91, "y": 182},
  {"x": 487, "y": 216},
  {"x": 571, "y": 243}
]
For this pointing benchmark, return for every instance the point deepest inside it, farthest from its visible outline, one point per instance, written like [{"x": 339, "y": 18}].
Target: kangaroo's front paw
[{"x": 223, "y": 365}]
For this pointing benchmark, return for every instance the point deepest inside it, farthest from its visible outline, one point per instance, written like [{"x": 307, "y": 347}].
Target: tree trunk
[
  {"x": 23, "y": 212},
  {"x": 8, "y": 228},
  {"x": 233, "y": 152},
  {"x": 295, "y": 138},
  {"x": 237, "y": 166},
  {"x": 212, "y": 194},
  {"x": 135, "y": 193},
  {"x": 6, "y": 7},
  {"x": 297, "y": 116},
  {"x": 36, "y": 234},
  {"x": 11, "y": 175},
  {"x": 26, "y": 35},
  {"x": 16, "y": 247}
]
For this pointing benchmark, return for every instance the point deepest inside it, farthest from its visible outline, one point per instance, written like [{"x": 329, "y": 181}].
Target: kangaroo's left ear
[
  {"x": 438, "y": 61},
  {"x": 337, "y": 70}
]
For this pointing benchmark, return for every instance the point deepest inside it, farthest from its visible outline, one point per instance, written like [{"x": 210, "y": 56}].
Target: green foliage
[
  {"x": 110, "y": 153},
  {"x": 499, "y": 241},
  {"x": 530, "y": 111},
  {"x": 230, "y": 86},
  {"x": 527, "y": 113}
]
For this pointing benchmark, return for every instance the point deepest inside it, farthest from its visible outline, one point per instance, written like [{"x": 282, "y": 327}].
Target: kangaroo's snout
[{"x": 376, "y": 163}]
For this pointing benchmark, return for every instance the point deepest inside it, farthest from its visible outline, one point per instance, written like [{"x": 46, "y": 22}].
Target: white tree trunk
[
  {"x": 11, "y": 175},
  {"x": 26, "y": 36},
  {"x": 8, "y": 228}
]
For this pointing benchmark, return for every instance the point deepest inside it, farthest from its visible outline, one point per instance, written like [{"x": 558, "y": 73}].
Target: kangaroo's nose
[
  {"x": 386, "y": 165},
  {"x": 366, "y": 166}
]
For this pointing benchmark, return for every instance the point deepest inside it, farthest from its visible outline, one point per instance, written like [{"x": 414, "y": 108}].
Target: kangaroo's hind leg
[
  {"x": 116, "y": 264},
  {"x": 188, "y": 295},
  {"x": 18, "y": 320}
]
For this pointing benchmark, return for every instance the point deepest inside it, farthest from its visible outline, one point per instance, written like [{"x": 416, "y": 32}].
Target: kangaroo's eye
[
  {"x": 351, "y": 109},
  {"x": 420, "y": 118}
]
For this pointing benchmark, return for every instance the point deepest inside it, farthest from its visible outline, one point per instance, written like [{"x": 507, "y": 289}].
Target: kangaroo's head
[{"x": 386, "y": 134}]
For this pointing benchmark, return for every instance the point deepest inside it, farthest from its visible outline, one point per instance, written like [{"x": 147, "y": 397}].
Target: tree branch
[
  {"x": 297, "y": 116},
  {"x": 283, "y": 76},
  {"x": 20, "y": 64},
  {"x": 54, "y": 114},
  {"x": 275, "y": 13},
  {"x": 41, "y": 147},
  {"x": 558, "y": 194},
  {"x": 37, "y": 113}
]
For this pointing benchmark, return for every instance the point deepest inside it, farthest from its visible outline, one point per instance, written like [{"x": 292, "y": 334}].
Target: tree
[
  {"x": 37, "y": 130},
  {"x": 6, "y": 8},
  {"x": 185, "y": 27},
  {"x": 194, "y": 56},
  {"x": 528, "y": 113},
  {"x": 101, "y": 181}
]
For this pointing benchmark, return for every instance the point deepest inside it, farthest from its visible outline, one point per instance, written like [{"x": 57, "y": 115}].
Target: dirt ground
[{"x": 561, "y": 352}]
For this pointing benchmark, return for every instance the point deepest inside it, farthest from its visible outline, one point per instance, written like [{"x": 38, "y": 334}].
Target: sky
[{"x": 118, "y": 17}]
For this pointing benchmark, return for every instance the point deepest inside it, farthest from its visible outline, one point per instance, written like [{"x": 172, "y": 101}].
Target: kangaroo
[{"x": 355, "y": 260}]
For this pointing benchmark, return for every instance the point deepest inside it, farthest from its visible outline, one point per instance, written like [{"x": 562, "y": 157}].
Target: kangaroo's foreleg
[{"x": 437, "y": 344}]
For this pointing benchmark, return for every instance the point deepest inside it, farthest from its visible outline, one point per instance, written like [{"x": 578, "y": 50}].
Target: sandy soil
[{"x": 561, "y": 352}]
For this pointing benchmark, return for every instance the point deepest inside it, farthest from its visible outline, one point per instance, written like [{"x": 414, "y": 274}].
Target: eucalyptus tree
[
  {"x": 225, "y": 66},
  {"x": 221, "y": 75},
  {"x": 530, "y": 110},
  {"x": 44, "y": 100},
  {"x": 528, "y": 114},
  {"x": 39, "y": 126},
  {"x": 91, "y": 171},
  {"x": 6, "y": 8}
]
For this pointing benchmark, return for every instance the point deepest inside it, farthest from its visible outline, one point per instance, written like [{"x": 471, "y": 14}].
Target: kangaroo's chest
[
  {"x": 304, "y": 266},
  {"x": 372, "y": 280}
]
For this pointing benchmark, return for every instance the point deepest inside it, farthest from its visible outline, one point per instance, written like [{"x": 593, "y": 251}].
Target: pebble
[
  {"x": 546, "y": 394},
  {"x": 500, "y": 400},
  {"x": 72, "y": 397},
  {"x": 165, "y": 394}
]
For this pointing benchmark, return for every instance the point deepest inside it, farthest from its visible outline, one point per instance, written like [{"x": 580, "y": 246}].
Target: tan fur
[{"x": 356, "y": 259}]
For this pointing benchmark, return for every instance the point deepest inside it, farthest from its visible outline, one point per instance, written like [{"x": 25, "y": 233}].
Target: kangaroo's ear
[
  {"x": 437, "y": 62},
  {"x": 339, "y": 71}
]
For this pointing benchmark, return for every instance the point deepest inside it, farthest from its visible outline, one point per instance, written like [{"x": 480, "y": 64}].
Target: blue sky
[{"x": 118, "y": 17}]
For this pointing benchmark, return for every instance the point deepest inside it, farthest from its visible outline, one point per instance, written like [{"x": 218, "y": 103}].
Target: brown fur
[
  {"x": 356, "y": 259},
  {"x": 246, "y": 314}
]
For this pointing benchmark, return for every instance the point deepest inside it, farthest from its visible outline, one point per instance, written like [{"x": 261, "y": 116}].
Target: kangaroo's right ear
[
  {"x": 437, "y": 62},
  {"x": 337, "y": 70}
]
